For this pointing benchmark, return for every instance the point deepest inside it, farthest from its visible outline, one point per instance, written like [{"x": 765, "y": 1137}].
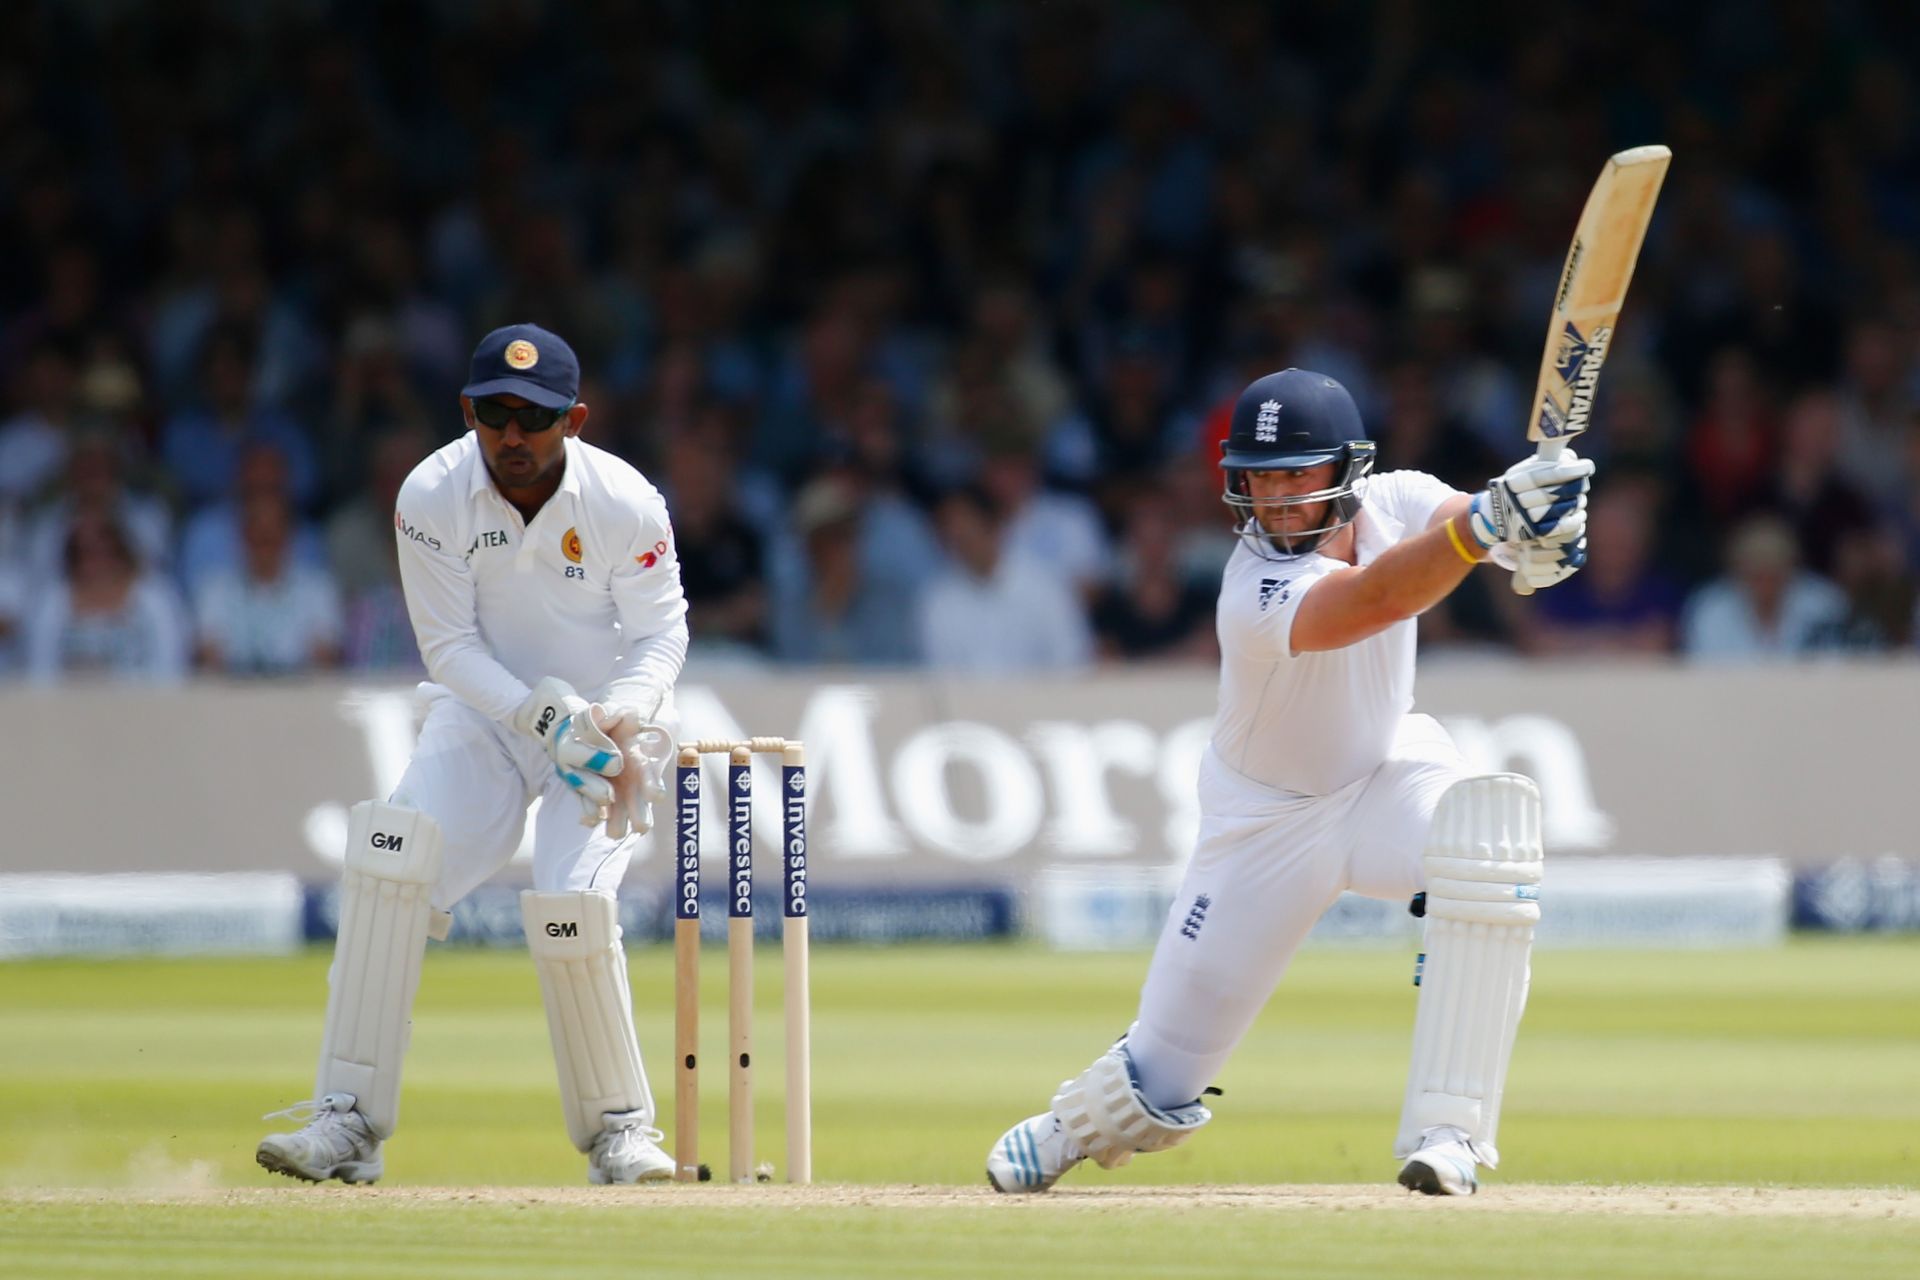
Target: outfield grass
[{"x": 1796, "y": 1067}]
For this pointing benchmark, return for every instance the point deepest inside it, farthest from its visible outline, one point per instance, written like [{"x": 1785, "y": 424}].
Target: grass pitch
[{"x": 130, "y": 1093}]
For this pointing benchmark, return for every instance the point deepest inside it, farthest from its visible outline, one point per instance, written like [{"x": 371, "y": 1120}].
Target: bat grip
[{"x": 1548, "y": 450}]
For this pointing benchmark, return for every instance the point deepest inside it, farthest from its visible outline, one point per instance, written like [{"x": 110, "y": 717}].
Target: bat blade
[{"x": 1593, "y": 285}]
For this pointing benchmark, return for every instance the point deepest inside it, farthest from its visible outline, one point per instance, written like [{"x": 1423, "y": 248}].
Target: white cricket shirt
[
  {"x": 1311, "y": 723},
  {"x": 589, "y": 591}
]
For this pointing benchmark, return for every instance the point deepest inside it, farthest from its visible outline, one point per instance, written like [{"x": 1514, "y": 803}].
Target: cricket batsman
[
  {"x": 1319, "y": 777},
  {"x": 543, "y": 586}
]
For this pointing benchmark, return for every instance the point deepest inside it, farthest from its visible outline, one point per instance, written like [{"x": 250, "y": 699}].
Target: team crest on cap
[
  {"x": 522, "y": 354},
  {"x": 570, "y": 545}
]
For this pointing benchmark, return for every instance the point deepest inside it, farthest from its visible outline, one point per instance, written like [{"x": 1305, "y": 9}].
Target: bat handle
[{"x": 1548, "y": 450}]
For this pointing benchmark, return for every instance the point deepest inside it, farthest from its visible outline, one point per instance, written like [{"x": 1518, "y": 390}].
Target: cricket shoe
[
  {"x": 627, "y": 1151},
  {"x": 1444, "y": 1164},
  {"x": 1032, "y": 1155},
  {"x": 334, "y": 1142}
]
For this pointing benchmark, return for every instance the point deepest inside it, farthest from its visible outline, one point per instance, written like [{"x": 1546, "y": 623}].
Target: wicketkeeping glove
[
  {"x": 646, "y": 750},
  {"x": 583, "y": 756}
]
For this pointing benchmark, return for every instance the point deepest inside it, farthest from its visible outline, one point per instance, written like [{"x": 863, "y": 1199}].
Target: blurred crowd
[{"x": 926, "y": 316}]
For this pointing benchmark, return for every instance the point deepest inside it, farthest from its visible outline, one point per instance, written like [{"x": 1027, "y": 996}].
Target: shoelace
[
  {"x": 639, "y": 1130},
  {"x": 300, "y": 1112}
]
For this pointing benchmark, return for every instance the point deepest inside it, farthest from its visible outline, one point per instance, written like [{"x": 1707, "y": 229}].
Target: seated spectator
[
  {"x": 203, "y": 447},
  {"x": 1765, "y": 605},
  {"x": 273, "y": 615},
  {"x": 378, "y": 631},
  {"x": 1869, "y": 565},
  {"x": 359, "y": 534},
  {"x": 1622, "y": 602},
  {"x": 833, "y": 612},
  {"x": 34, "y": 441},
  {"x": 13, "y": 608},
  {"x": 898, "y": 548},
  {"x": 1060, "y": 530},
  {"x": 992, "y": 611},
  {"x": 361, "y": 552},
  {"x": 108, "y": 616},
  {"x": 1149, "y": 610},
  {"x": 1807, "y": 488},
  {"x": 1732, "y": 444},
  {"x": 96, "y": 486},
  {"x": 1876, "y": 405},
  {"x": 211, "y": 543},
  {"x": 722, "y": 558}
]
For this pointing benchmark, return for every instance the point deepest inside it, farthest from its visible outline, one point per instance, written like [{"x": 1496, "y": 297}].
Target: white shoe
[
  {"x": 335, "y": 1142},
  {"x": 1444, "y": 1164},
  {"x": 627, "y": 1151},
  {"x": 1032, "y": 1155}
]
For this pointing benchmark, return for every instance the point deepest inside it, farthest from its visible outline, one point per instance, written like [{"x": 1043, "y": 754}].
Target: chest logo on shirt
[
  {"x": 1274, "y": 591},
  {"x": 570, "y": 545},
  {"x": 487, "y": 538}
]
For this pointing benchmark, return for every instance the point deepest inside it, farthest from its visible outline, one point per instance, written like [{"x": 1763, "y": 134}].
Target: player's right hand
[
  {"x": 1534, "y": 500},
  {"x": 646, "y": 749},
  {"x": 1542, "y": 564},
  {"x": 583, "y": 755}
]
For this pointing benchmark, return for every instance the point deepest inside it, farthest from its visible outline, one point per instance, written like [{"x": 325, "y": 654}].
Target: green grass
[
  {"x": 1796, "y": 1067},
  {"x": 1022, "y": 1240}
]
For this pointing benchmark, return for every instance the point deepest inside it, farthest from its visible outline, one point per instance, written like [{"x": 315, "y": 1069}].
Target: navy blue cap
[
  {"x": 525, "y": 360},
  {"x": 1294, "y": 418}
]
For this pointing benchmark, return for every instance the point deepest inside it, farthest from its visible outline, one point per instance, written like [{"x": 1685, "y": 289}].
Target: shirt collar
[{"x": 482, "y": 480}]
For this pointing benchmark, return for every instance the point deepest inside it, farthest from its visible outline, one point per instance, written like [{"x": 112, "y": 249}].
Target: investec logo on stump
[
  {"x": 743, "y": 845},
  {"x": 689, "y": 827},
  {"x": 796, "y": 842}
]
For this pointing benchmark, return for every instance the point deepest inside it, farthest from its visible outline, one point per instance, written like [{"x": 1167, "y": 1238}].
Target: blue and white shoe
[
  {"x": 1444, "y": 1164},
  {"x": 1032, "y": 1155}
]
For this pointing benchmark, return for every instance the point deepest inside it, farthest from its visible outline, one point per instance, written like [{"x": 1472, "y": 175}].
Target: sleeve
[
  {"x": 207, "y": 612},
  {"x": 652, "y": 609},
  {"x": 328, "y": 618},
  {"x": 1069, "y": 639},
  {"x": 931, "y": 630},
  {"x": 1410, "y": 497},
  {"x": 45, "y": 619},
  {"x": 166, "y": 619},
  {"x": 440, "y": 600},
  {"x": 1257, "y": 610}
]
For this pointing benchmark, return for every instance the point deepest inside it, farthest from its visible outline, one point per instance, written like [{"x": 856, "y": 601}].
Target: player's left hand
[
  {"x": 1533, "y": 500},
  {"x": 641, "y": 783}
]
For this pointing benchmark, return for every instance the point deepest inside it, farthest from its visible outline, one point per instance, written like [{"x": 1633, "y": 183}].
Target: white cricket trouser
[
  {"x": 476, "y": 777},
  {"x": 1266, "y": 866}
]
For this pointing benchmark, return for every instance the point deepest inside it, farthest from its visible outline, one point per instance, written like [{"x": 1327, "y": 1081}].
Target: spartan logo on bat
[{"x": 1573, "y": 353}]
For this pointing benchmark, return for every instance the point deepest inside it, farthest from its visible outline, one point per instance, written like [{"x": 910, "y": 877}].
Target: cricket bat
[{"x": 1593, "y": 285}]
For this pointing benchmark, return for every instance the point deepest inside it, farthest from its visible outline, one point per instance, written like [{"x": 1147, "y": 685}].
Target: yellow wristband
[{"x": 1453, "y": 536}]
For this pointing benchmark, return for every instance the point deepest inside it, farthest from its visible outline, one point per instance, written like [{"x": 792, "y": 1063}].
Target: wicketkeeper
[{"x": 541, "y": 578}]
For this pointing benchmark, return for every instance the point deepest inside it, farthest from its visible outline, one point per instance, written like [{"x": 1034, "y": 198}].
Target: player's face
[
  {"x": 1293, "y": 518},
  {"x": 518, "y": 456}
]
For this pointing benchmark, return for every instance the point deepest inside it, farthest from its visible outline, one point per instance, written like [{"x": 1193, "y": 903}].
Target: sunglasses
[{"x": 532, "y": 418}]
